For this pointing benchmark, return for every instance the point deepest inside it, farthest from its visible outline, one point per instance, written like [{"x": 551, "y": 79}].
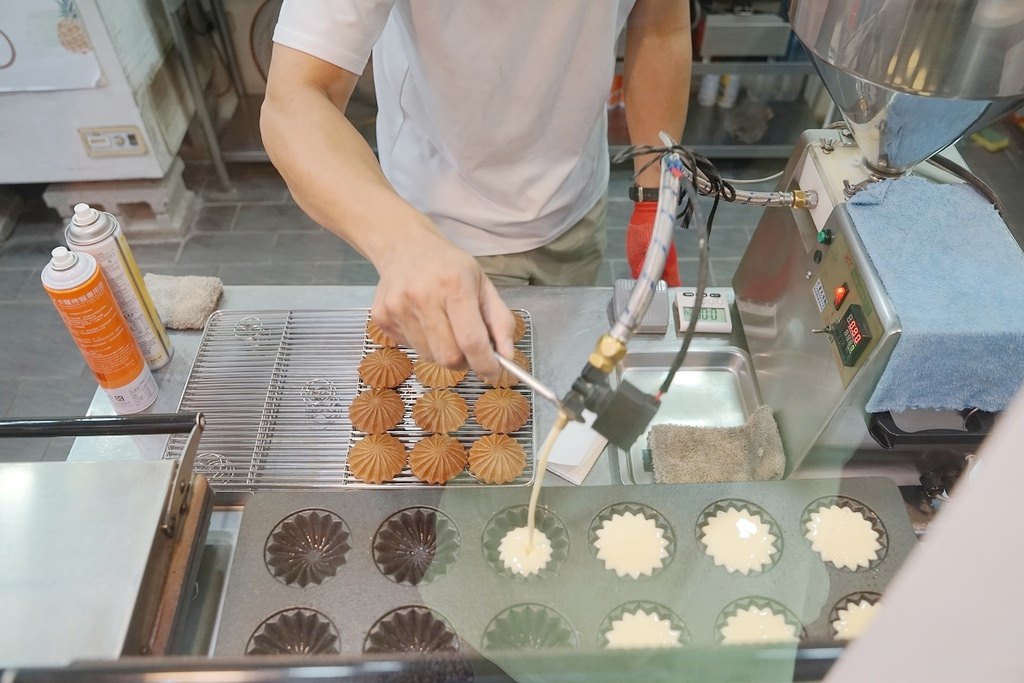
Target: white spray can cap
[{"x": 62, "y": 258}]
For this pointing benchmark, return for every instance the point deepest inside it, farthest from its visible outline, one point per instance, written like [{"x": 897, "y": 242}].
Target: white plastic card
[{"x": 577, "y": 449}]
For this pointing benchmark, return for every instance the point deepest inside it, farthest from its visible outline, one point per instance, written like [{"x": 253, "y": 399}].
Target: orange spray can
[{"x": 87, "y": 305}]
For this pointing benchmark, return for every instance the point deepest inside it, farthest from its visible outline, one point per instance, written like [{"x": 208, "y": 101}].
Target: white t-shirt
[{"x": 492, "y": 112}]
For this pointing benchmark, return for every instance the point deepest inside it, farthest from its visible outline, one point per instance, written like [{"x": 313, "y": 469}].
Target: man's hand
[
  {"x": 638, "y": 239},
  {"x": 437, "y": 299},
  {"x": 431, "y": 295}
]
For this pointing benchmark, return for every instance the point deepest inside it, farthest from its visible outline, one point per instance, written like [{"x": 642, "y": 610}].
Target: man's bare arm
[
  {"x": 656, "y": 75},
  {"x": 431, "y": 294}
]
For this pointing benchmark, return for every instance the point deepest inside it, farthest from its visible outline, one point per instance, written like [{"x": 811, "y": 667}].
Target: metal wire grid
[{"x": 275, "y": 387}]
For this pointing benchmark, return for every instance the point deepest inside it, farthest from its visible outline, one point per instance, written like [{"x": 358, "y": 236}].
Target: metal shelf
[
  {"x": 706, "y": 133},
  {"x": 240, "y": 138},
  {"x": 755, "y": 67}
]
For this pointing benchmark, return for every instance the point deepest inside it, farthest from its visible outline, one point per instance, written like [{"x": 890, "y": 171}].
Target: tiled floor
[{"x": 255, "y": 234}]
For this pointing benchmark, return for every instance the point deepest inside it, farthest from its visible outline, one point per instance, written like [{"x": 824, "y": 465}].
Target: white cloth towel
[{"x": 184, "y": 302}]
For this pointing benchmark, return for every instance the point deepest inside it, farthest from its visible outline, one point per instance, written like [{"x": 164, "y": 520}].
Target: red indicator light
[{"x": 840, "y": 295}]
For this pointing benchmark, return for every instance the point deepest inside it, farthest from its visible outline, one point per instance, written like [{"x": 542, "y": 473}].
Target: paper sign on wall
[{"x": 44, "y": 46}]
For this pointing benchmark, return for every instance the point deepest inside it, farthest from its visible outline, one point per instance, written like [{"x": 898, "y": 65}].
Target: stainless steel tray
[
  {"x": 275, "y": 387},
  {"x": 715, "y": 387}
]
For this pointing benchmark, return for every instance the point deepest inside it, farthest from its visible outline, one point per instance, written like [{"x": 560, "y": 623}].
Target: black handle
[
  {"x": 977, "y": 424},
  {"x": 157, "y": 423}
]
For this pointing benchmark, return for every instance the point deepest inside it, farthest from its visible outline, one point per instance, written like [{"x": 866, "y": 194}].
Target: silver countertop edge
[{"x": 561, "y": 352}]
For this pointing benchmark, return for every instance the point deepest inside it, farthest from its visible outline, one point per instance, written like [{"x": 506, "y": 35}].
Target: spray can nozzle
[
  {"x": 62, "y": 258},
  {"x": 85, "y": 214}
]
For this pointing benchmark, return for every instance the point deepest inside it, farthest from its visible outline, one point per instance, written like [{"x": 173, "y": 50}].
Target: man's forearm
[
  {"x": 656, "y": 75},
  {"x": 431, "y": 295},
  {"x": 332, "y": 172}
]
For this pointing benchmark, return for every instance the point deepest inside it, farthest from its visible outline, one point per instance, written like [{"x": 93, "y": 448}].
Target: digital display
[
  {"x": 851, "y": 335},
  {"x": 855, "y": 335},
  {"x": 713, "y": 314}
]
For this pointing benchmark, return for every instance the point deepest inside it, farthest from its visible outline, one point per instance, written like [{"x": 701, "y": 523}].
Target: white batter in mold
[
  {"x": 854, "y": 619},
  {"x": 631, "y": 544},
  {"x": 640, "y": 629},
  {"x": 843, "y": 537},
  {"x": 522, "y": 557},
  {"x": 739, "y": 541},
  {"x": 757, "y": 625}
]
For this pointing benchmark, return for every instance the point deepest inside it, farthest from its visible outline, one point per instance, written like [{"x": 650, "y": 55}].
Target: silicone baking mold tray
[{"x": 417, "y": 569}]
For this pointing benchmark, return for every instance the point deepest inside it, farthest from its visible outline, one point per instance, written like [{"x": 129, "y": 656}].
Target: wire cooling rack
[{"x": 275, "y": 387}]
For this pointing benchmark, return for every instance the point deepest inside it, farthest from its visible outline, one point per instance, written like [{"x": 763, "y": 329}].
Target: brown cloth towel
[
  {"x": 184, "y": 302},
  {"x": 684, "y": 454}
]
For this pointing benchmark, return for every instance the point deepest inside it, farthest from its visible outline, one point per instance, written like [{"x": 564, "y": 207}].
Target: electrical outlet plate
[{"x": 113, "y": 141}]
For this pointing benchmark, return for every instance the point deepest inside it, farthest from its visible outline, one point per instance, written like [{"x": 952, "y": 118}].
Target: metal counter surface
[
  {"x": 567, "y": 322},
  {"x": 73, "y": 563}
]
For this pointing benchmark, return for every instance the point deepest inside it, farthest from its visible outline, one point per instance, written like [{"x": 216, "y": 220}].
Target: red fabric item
[{"x": 638, "y": 238}]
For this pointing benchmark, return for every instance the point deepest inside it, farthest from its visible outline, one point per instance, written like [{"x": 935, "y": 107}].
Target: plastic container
[
  {"x": 708, "y": 93},
  {"x": 87, "y": 305},
  {"x": 98, "y": 234},
  {"x": 729, "y": 91}
]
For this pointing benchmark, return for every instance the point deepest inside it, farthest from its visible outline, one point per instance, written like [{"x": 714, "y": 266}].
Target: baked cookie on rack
[
  {"x": 377, "y": 458},
  {"x": 496, "y": 459},
  {"x": 440, "y": 411},
  {"x": 437, "y": 458},
  {"x": 385, "y": 368}
]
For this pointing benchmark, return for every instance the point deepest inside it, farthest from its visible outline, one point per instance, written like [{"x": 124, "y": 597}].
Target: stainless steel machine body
[
  {"x": 80, "y": 549},
  {"x": 786, "y": 288},
  {"x": 909, "y": 77},
  {"x": 912, "y": 76}
]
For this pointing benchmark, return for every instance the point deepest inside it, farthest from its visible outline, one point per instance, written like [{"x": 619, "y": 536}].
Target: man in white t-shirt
[{"x": 492, "y": 141}]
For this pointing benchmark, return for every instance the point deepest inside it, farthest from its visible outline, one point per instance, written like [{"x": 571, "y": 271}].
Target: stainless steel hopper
[{"x": 912, "y": 76}]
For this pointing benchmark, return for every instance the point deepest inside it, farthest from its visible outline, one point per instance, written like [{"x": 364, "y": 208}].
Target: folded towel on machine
[
  {"x": 184, "y": 302},
  {"x": 954, "y": 273},
  {"x": 684, "y": 454}
]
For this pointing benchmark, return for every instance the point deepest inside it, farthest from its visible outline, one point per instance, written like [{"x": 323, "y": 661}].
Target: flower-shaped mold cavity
[
  {"x": 739, "y": 536},
  {"x": 642, "y": 624},
  {"x": 845, "y": 533},
  {"x": 298, "y": 631},
  {"x": 411, "y": 629},
  {"x": 415, "y": 546},
  {"x": 757, "y": 620},
  {"x": 853, "y": 613},
  {"x": 632, "y": 540},
  {"x": 515, "y": 517},
  {"x": 529, "y": 626},
  {"x": 307, "y": 547}
]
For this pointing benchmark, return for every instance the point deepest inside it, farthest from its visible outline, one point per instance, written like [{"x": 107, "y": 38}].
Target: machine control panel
[
  {"x": 847, "y": 314},
  {"x": 851, "y": 335}
]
